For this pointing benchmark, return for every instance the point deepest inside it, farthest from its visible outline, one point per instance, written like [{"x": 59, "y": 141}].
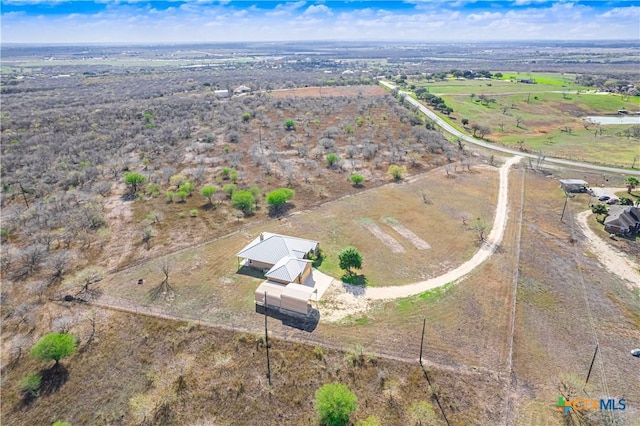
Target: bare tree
[
  {"x": 87, "y": 280},
  {"x": 518, "y": 122},
  {"x": 479, "y": 226},
  {"x": 164, "y": 289}
]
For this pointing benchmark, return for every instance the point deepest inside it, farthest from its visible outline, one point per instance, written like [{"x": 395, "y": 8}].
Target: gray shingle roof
[{"x": 622, "y": 216}]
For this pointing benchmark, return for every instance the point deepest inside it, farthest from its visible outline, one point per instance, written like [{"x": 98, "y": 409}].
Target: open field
[
  {"x": 181, "y": 373},
  {"x": 566, "y": 304},
  {"x": 497, "y": 343},
  {"x": 205, "y": 277},
  {"x": 544, "y": 117}
]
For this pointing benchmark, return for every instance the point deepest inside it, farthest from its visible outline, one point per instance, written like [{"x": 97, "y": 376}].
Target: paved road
[{"x": 449, "y": 128}]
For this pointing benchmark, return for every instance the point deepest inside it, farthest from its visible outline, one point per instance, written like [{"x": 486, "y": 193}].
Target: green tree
[
  {"x": 243, "y": 200},
  {"x": 632, "y": 183},
  {"x": 332, "y": 159},
  {"x": 134, "y": 180},
  {"x": 289, "y": 124},
  {"x": 60, "y": 423},
  {"x": 600, "y": 209},
  {"x": 182, "y": 195},
  {"x": 255, "y": 191},
  {"x": 208, "y": 192},
  {"x": 54, "y": 346},
  {"x": 356, "y": 179},
  {"x": 334, "y": 403},
  {"x": 396, "y": 172},
  {"x": 624, "y": 201},
  {"x": 464, "y": 121},
  {"x": 277, "y": 198},
  {"x": 246, "y": 116},
  {"x": 187, "y": 187},
  {"x": 229, "y": 189},
  {"x": 31, "y": 384},
  {"x": 350, "y": 257},
  {"x": 226, "y": 171}
]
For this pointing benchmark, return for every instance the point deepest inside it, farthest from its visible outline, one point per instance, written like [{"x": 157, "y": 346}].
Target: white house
[{"x": 286, "y": 264}]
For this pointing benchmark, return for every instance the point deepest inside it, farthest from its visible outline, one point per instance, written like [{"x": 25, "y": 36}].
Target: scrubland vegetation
[{"x": 109, "y": 167}]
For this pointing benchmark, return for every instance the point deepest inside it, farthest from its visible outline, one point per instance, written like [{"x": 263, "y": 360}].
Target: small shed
[{"x": 574, "y": 185}]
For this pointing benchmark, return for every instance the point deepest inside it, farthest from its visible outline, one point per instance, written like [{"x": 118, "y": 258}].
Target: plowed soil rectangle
[
  {"x": 418, "y": 242},
  {"x": 385, "y": 238}
]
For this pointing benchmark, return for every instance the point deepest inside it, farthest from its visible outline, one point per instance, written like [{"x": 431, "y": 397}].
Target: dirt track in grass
[
  {"x": 386, "y": 239},
  {"x": 417, "y": 242}
]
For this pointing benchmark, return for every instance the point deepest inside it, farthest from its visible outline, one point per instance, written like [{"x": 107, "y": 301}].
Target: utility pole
[
  {"x": 266, "y": 339},
  {"x": 591, "y": 366},
  {"x": 566, "y": 199},
  {"x": 424, "y": 323}
]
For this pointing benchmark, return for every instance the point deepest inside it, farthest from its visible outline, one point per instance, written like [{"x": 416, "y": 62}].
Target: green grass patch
[
  {"x": 544, "y": 118},
  {"x": 409, "y": 304},
  {"x": 531, "y": 292}
]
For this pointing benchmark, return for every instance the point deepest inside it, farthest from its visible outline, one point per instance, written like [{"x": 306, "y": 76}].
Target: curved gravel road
[{"x": 449, "y": 128}]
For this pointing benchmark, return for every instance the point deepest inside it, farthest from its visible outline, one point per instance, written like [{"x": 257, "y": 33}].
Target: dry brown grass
[
  {"x": 208, "y": 287},
  {"x": 178, "y": 373},
  {"x": 329, "y": 91},
  {"x": 561, "y": 291}
]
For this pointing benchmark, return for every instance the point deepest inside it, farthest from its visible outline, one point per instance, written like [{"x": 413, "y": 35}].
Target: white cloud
[
  {"x": 622, "y": 12},
  {"x": 318, "y": 9},
  {"x": 484, "y": 16},
  {"x": 527, "y": 2}
]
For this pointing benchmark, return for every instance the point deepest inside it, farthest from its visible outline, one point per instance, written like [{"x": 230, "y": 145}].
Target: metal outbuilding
[{"x": 574, "y": 185}]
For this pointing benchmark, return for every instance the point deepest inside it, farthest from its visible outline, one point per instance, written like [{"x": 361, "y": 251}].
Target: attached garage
[
  {"x": 272, "y": 290},
  {"x": 291, "y": 298},
  {"x": 295, "y": 298}
]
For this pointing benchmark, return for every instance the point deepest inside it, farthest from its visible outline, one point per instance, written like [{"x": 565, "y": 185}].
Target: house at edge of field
[
  {"x": 574, "y": 185},
  {"x": 241, "y": 89},
  {"x": 287, "y": 268},
  {"x": 622, "y": 220}
]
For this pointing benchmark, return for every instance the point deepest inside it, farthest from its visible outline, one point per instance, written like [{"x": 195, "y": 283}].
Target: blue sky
[{"x": 104, "y": 21}]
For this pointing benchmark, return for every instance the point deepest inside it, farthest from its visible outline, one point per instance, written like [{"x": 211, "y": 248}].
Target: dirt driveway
[
  {"x": 343, "y": 300},
  {"x": 616, "y": 262}
]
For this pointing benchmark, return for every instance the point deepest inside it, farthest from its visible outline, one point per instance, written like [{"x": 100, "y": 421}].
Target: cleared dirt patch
[
  {"x": 384, "y": 238},
  {"x": 321, "y": 92},
  {"x": 417, "y": 242}
]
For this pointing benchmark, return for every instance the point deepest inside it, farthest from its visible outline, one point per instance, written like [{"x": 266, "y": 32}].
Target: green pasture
[{"x": 547, "y": 116}]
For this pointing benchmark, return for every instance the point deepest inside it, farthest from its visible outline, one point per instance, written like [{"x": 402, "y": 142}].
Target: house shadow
[
  {"x": 306, "y": 323},
  {"x": 250, "y": 272}
]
